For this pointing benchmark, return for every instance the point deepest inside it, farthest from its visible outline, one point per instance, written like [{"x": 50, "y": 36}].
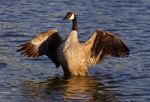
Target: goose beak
[{"x": 65, "y": 18}]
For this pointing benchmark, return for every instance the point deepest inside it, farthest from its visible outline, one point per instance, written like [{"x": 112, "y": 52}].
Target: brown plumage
[
  {"x": 45, "y": 43},
  {"x": 73, "y": 56},
  {"x": 102, "y": 44}
]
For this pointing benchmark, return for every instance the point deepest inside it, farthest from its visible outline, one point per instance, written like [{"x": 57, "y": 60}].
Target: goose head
[{"x": 70, "y": 16}]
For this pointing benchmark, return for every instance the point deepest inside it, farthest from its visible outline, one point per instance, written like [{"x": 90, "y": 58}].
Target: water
[{"x": 114, "y": 80}]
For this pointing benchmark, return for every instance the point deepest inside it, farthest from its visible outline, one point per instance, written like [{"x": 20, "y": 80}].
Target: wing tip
[
  {"x": 125, "y": 52},
  {"x": 28, "y": 50}
]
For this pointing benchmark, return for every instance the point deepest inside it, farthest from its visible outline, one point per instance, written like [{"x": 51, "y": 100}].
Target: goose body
[{"x": 73, "y": 56}]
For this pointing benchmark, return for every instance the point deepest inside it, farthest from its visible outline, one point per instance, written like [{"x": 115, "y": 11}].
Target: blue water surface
[{"x": 37, "y": 80}]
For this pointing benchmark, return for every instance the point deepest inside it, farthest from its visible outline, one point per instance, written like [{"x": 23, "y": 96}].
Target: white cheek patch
[{"x": 71, "y": 17}]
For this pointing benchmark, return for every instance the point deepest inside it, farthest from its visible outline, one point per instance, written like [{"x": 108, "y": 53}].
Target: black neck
[{"x": 74, "y": 26}]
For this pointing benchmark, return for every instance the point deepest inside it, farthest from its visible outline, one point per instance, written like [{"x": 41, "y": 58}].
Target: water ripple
[{"x": 114, "y": 80}]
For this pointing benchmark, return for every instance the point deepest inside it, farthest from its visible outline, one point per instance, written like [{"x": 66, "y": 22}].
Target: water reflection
[{"x": 79, "y": 89}]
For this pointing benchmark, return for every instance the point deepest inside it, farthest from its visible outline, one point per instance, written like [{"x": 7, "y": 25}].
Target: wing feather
[
  {"x": 45, "y": 43},
  {"x": 102, "y": 44}
]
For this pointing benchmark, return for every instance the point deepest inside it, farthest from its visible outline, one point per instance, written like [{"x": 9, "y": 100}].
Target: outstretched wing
[
  {"x": 102, "y": 44},
  {"x": 45, "y": 43}
]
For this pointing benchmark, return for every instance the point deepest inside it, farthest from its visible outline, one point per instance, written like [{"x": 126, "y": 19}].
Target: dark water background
[{"x": 37, "y": 80}]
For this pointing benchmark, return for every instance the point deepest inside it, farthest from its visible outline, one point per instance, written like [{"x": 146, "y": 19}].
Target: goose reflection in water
[{"x": 74, "y": 89}]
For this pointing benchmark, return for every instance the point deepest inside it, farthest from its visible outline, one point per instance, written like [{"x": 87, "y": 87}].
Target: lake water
[{"x": 37, "y": 80}]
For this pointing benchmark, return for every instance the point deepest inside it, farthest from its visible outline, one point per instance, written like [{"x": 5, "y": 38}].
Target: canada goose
[{"x": 73, "y": 56}]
